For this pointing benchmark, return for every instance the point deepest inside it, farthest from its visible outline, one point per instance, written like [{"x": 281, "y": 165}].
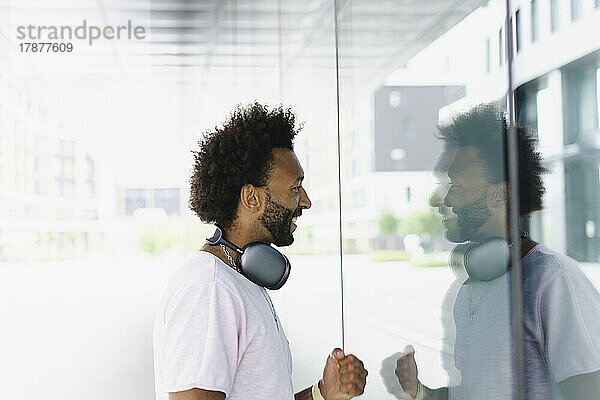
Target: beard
[
  {"x": 277, "y": 220},
  {"x": 452, "y": 231},
  {"x": 472, "y": 216}
]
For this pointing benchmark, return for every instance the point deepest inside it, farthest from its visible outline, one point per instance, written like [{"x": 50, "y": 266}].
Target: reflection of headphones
[
  {"x": 482, "y": 261},
  {"x": 259, "y": 262}
]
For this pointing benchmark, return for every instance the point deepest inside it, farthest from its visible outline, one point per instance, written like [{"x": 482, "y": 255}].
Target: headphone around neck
[
  {"x": 482, "y": 261},
  {"x": 258, "y": 262}
]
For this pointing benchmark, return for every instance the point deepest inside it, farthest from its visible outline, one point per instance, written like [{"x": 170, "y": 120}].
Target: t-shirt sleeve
[
  {"x": 570, "y": 310},
  {"x": 201, "y": 325}
]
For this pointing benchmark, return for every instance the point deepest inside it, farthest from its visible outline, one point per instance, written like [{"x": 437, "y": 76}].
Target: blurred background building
[{"x": 54, "y": 199}]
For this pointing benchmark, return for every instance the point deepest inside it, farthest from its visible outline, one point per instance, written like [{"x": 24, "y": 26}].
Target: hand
[
  {"x": 343, "y": 377},
  {"x": 407, "y": 373},
  {"x": 388, "y": 375}
]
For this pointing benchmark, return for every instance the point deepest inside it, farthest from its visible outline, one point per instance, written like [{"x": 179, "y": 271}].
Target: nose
[
  {"x": 449, "y": 200},
  {"x": 304, "y": 201},
  {"x": 436, "y": 199}
]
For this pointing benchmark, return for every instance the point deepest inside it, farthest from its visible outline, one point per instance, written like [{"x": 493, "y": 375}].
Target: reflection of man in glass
[
  {"x": 217, "y": 334},
  {"x": 561, "y": 306}
]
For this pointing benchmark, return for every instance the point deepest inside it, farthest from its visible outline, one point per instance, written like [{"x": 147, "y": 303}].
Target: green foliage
[
  {"x": 155, "y": 239},
  {"x": 431, "y": 260},
  {"x": 427, "y": 261},
  {"x": 388, "y": 224},
  {"x": 46, "y": 237},
  {"x": 390, "y": 255},
  {"x": 419, "y": 222},
  {"x": 422, "y": 223},
  {"x": 194, "y": 233},
  {"x": 162, "y": 234}
]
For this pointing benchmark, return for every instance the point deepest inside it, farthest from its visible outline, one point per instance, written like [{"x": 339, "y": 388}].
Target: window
[
  {"x": 354, "y": 168},
  {"x": 67, "y": 169},
  {"x": 487, "y": 55},
  {"x": 65, "y": 214},
  {"x": 354, "y": 138},
  {"x": 91, "y": 180},
  {"x": 554, "y": 24},
  {"x": 598, "y": 91},
  {"x": 90, "y": 214},
  {"x": 168, "y": 199},
  {"x": 518, "y": 29},
  {"x": 358, "y": 199},
  {"x": 534, "y": 21},
  {"x": 500, "y": 44},
  {"x": 66, "y": 148},
  {"x": 575, "y": 10},
  {"x": 90, "y": 167},
  {"x": 134, "y": 199},
  {"x": 588, "y": 108},
  {"x": 65, "y": 187}
]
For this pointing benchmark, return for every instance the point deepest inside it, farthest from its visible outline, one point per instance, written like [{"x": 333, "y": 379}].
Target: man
[
  {"x": 560, "y": 305},
  {"x": 217, "y": 334}
]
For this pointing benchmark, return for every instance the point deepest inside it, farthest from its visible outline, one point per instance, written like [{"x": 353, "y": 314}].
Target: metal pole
[
  {"x": 339, "y": 151},
  {"x": 514, "y": 215}
]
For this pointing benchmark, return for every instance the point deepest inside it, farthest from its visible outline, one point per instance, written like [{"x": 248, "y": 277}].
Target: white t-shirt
[
  {"x": 561, "y": 330},
  {"x": 216, "y": 330}
]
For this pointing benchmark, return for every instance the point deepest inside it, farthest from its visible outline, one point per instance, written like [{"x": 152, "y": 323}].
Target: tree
[
  {"x": 388, "y": 225},
  {"x": 426, "y": 224}
]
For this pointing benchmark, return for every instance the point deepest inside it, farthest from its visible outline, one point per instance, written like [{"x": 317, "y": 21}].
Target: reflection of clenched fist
[{"x": 406, "y": 371}]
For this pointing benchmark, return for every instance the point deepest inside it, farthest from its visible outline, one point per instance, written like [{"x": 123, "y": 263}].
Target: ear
[
  {"x": 251, "y": 198},
  {"x": 498, "y": 194}
]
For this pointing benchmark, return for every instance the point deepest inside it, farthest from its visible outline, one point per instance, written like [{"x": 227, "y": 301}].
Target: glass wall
[
  {"x": 407, "y": 162},
  {"x": 398, "y": 87}
]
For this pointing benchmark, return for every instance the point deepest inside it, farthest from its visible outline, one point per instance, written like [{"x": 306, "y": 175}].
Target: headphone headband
[{"x": 218, "y": 238}]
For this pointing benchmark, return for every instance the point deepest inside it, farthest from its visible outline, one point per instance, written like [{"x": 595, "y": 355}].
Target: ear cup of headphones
[
  {"x": 264, "y": 265},
  {"x": 482, "y": 261},
  {"x": 259, "y": 262},
  {"x": 457, "y": 260}
]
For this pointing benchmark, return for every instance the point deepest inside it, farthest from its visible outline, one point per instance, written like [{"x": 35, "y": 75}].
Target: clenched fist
[
  {"x": 344, "y": 376},
  {"x": 406, "y": 371}
]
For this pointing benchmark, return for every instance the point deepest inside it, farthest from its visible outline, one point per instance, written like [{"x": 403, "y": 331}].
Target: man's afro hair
[
  {"x": 485, "y": 128},
  {"x": 238, "y": 153}
]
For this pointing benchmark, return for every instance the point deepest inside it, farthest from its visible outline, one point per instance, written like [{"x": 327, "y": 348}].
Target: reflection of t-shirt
[
  {"x": 561, "y": 328},
  {"x": 215, "y": 330}
]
